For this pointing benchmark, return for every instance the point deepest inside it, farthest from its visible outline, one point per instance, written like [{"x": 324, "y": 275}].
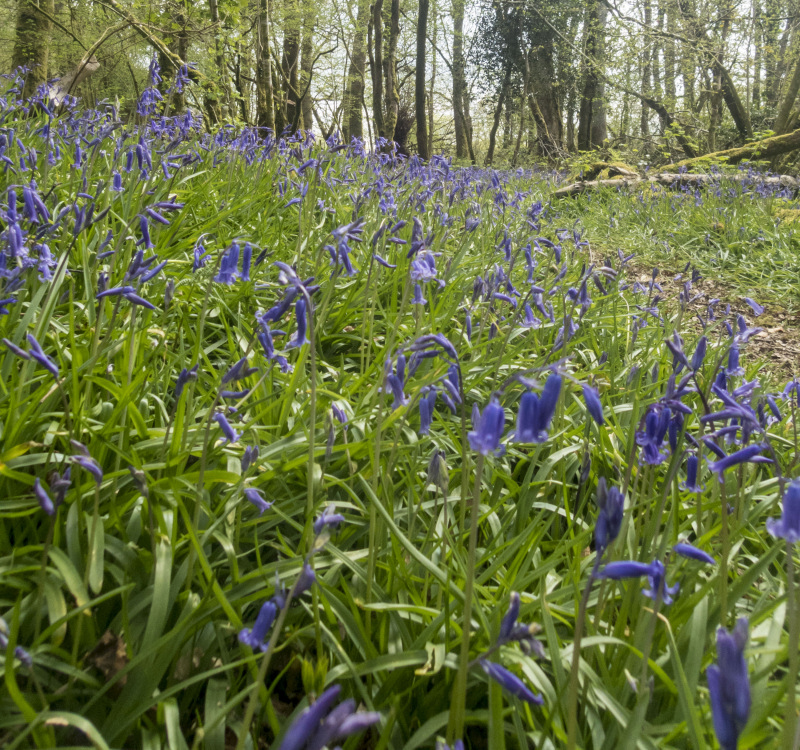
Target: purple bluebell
[
  {"x": 487, "y": 428},
  {"x": 788, "y": 525},
  {"x": 339, "y": 414},
  {"x": 14, "y": 349},
  {"x": 184, "y": 377},
  {"x": 691, "y": 485},
  {"x": 729, "y": 686},
  {"x": 256, "y": 638},
  {"x": 609, "y": 521},
  {"x": 305, "y": 581},
  {"x": 340, "y": 723},
  {"x": 38, "y": 354},
  {"x": 733, "y": 367},
  {"x": 381, "y": 261},
  {"x": 510, "y": 682},
  {"x": 530, "y": 320},
  {"x": 693, "y": 553},
  {"x": 427, "y": 402},
  {"x": 300, "y": 311},
  {"x": 256, "y": 497},
  {"x": 536, "y": 412},
  {"x": 329, "y": 518},
  {"x": 699, "y": 353},
  {"x": 654, "y": 571},
  {"x": 238, "y": 371},
  {"x": 45, "y": 503},
  {"x": 89, "y": 464},
  {"x": 593, "y": 405},
  {"x": 757, "y": 309},
  {"x": 249, "y": 457},
  {"x": 395, "y": 381},
  {"x": 749, "y": 453},
  {"x": 418, "y": 298},
  {"x": 652, "y": 437},
  {"x": 231, "y": 436}
]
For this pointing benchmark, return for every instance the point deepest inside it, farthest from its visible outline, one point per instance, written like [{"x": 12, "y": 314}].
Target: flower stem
[
  {"x": 794, "y": 647},
  {"x": 458, "y": 705}
]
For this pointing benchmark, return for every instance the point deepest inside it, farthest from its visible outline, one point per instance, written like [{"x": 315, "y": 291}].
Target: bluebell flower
[
  {"x": 396, "y": 381},
  {"x": 609, "y": 521},
  {"x": 238, "y": 371},
  {"x": 38, "y": 354},
  {"x": 652, "y": 437},
  {"x": 788, "y": 525},
  {"x": 45, "y": 503},
  {"x": 691, "y": 485},
  {"x": 536, "y": 412},
  {"x": 748, "y": 454},
  {"x": 249, "y": 457},
  {"x": 427, "y": 403},
  {"x": 340, "y": 723},
  {"x": 510, "y": 682},
  {"x": 184, "y": 377},
  {"x": 256, "y": 497},
  {"x": 339, "y": 414},
  {"x": 329, "y": 518},
  {"x": 654, "y": 571},
  {"x": 729, "y": 686},
  {"x": 693, "y": 553},
  {"x": 14, "y": 349},
  {"x": 257, "y": 637},
  {"x": 85, "y": 461},
  {"x": 231, "y": 436},
  {"x": 305, "y": 581},
  {"x": 757, "y": 309},
  {"x": 418, "y": 298},
  {"x": 530, "y": 320},
  {"x": 487, "y": 428},
  {"x": 299, "y": 339},
  {"x": 733, "y": 367},
  {"x": 593, "y": 405}
]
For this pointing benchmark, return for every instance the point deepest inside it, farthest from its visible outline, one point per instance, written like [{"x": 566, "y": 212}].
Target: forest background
[{"x": 489, "y": 82}]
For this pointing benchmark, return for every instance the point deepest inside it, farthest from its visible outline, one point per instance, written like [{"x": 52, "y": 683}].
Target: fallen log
[
  {"x": 669, "y": 179},
  {"x": 766, "y": 148}
]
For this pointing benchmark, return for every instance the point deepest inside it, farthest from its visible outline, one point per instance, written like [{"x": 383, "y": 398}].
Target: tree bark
[
  {"x": 290, "y": 60},
  {"x": 592, "y": 131},
  {"x": 392, "y": 106},
  {"x": 757, "y": 41},
  {"x": 419, "y": 82},
  {"x": 459, "y": 80},
  {"x": 354, "y": 123},
  {"x": 214, "y": 105},
  {"x": 543, "y": 99},
  {"x": 32, "y": 43},
  {"x": 306, "y": 65},
  {"x": 644, "y": 123},
  {"x": 265, "y": 113},
  {"x": 498, "y": 111},
  {"x": 376, "y": 65}
]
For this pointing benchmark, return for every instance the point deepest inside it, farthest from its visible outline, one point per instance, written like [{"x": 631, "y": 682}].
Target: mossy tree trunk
[{"x": 32, "y": 42}]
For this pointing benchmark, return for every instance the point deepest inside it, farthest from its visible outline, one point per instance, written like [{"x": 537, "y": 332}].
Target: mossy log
[
  {"x": 766, "y": 148},
  {"x": 670, "y": 179}
]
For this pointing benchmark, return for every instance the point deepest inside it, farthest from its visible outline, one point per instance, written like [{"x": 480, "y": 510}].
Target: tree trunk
[
  {"x": 291, "y": 59},
  {"x": 459, "y": 81},
  {"x": 432, "y": 84},
  {"x": 354, "y": 123},
  {"x": 215, "y": 105},
  {"x": 757, "y": 41},
  {"x": 390, "y": 72},
  {"x": 592, "y": 132},
  {"x": 670, "y": 93},
  {"x": 307, "y": 104},
  {"x": 543, "y": 99},
  {"x": 498, "y": 111},
  {"x": 265, "y": 113},
  {"x": 522, "y": 107},
  {"x": 419, "y": 82},
  {"x": 32, "y": 43},
  {"x": 646, "y": 71},
  {"x": 772, "y": 21},
  {"x": 376, "y": 65}
]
